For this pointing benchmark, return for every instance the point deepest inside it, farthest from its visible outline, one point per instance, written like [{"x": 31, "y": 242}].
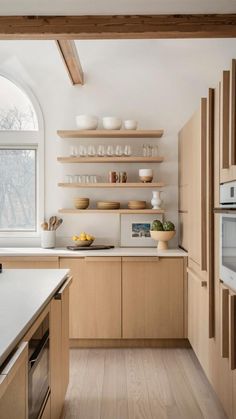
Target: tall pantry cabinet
[
  {"x": 193, "y": 146},
  {"x": 211, "y": 154}
]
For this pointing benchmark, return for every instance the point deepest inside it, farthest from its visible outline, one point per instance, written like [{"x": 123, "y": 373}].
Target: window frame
[{"x": 32, "y": 139}]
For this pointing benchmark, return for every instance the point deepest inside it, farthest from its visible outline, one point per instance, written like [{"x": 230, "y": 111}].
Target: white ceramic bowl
[
  {"x": 145, "y": 172},
  {"x": 86, "y": 122},
  {"x": 130, "y": 124},
  {"x": 111, "y": 122}
]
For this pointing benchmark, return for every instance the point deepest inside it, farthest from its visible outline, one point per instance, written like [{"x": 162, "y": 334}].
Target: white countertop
[
  {"x": 117, "y": 251},
  {"x": 23, "y": 295}
]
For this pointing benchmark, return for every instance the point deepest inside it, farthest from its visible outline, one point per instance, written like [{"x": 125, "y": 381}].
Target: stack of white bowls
[{"x": 90, "y": 122}]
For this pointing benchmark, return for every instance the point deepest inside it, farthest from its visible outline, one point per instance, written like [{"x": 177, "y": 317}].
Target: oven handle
[
  {"x": 35, "y": 357},
  {"x": 225, "y": 210}
]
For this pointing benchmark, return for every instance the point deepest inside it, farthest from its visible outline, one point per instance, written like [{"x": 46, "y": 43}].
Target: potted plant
[{"x": 162, "y": 232}]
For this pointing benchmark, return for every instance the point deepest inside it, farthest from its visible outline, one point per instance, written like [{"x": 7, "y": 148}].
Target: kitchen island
[{"x": 31, "y": 301}]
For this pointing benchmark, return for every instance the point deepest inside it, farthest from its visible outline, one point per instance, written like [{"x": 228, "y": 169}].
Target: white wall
[{"x": 157, "y": 82}]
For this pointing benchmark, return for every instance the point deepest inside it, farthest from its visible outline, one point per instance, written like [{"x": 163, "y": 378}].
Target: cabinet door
[
  {"x": 227, "y": 123},
  {"x": 47, "y": 410},
  {"x": 59, "y": 349},
  {"x": 99, "y": 299},
  {"x": 77, "y": 271},
  {"x": 14, "y": 385},
  {"x": 29, "y": 262},
  {"x": 197, "y": 186},
  {"x": 153, "y": 298},
  {"x": 219, "y": 373},
  {"x": 198, "y": 317}
]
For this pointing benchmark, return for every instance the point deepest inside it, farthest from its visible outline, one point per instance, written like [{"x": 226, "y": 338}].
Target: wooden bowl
[
  {"x": 137, "y": 204},
  {"x": 146, "y": 179},
  {"x": 162, "y": 237},
  {"x": 83, "y": 243},
  {"x": 81, "y": 203}
]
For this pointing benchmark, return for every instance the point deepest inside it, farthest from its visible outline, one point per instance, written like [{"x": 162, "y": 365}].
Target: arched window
[{"x": 21, "y": 161}]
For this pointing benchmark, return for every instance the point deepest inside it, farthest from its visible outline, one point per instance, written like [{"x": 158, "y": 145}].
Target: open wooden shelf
[
  {"x": 113, "y": 159},
  {"x": 117, "y": 211},
  {"x": 103, "y": 133},
  {"x": 113, "y": 185}
]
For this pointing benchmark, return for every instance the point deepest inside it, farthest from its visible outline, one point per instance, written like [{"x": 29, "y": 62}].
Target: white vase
[{"x": 156, "y": 200}]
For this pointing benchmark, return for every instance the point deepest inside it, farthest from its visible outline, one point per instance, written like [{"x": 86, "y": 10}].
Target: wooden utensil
[
  {"x": 44, "y": 226},
  {"x": 58, "y": 223},
  {"x": 52, "y": 221}
]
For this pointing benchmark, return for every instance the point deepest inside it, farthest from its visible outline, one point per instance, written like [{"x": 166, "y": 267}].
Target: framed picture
[{"x": 135, "y": 230}]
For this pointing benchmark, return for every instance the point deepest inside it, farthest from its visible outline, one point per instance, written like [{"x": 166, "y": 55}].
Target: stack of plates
[
  {"x": 108, "y": 205},
  {"x": 136, "y": 205}
]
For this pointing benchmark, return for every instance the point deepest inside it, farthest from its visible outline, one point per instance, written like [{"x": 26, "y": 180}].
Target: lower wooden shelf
[{"x": 118, "y": 211}]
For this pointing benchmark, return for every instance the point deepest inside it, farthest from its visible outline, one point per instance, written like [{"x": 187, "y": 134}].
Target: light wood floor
[{"x": 138, "y": 384}]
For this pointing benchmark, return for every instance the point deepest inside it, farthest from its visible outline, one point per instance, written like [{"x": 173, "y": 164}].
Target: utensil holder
[{"x": 48, "y": 239}]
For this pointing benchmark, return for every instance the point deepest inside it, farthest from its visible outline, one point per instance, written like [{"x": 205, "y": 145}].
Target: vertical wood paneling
[
  {"x": 210, "y": 208},
  {"x": 233, "y": 114},
  {"x": 225, "y": 120},
  {"x": 203, "y": 192}
]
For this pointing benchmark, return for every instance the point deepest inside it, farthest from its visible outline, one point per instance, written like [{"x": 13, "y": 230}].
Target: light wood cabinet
[
  {"x": 59, "y": 349},
  {"x": 198, "y": 316},
  {"x": 77, "y": 270},
  {"x": 193, "y": 185},
  {"x": 227, "y": 125},
  {"x": 47, "y": 410},
  {"x": 13, "y": 385},
  {"x": 153, "y": 297},
  {"x": 183, "y": 206},
  {"x": 30, "y": 262},
  {"x": 95, "y": 306}
]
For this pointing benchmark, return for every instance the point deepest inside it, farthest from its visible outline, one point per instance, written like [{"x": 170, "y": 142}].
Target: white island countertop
[
  {"x": 23, "y": 295},
  {"x": 117, "y": 251}
]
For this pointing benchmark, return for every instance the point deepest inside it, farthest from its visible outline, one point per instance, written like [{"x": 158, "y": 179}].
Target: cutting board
[{"x": 95, "y": 247}]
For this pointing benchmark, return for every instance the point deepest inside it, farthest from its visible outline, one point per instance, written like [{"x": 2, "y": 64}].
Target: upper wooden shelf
[
  {"x": 113, "y": 185},
  {"x": 113, "y": 159},
  {"x": 103, "y": 133}
]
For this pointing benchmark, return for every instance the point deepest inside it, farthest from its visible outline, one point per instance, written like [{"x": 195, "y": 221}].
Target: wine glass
[
  {"x": 119, "y": 151},
  {"x": 101, "y": 150},
  {"x": 73, "y": 151},
  {"x": 110, "y": 150},
  {"x": 91, "y": 151},
  {"x": 82, "y": 151},
  {"x": 128, "y": 150}
]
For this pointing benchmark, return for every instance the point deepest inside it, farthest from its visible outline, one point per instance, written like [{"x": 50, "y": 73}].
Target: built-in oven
[
  {"x": 228, "y": 234},
  {"x": 38, "y": 370}
]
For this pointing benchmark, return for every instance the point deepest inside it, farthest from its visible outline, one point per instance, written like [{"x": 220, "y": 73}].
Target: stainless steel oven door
[
  {"x": 38, "y": 384},
  {"x": 228, "y": 249}
]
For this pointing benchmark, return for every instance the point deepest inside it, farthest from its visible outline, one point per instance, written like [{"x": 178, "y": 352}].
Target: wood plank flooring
[{"x": 138, "y": 384}]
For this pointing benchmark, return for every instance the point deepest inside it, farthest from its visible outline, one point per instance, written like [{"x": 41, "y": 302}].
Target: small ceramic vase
[{"x": 156, "y": 200}]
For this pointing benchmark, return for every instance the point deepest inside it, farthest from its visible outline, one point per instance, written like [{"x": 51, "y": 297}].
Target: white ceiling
[{"x": 81, "y": 7}]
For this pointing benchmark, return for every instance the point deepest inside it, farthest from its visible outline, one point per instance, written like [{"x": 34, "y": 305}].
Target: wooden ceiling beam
[
  {"x": 118, "y": 27},
  {"x": 71, "y": 60}
]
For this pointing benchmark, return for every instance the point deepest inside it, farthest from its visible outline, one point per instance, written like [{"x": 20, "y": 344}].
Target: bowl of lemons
[{"x": 83, "y": 240}]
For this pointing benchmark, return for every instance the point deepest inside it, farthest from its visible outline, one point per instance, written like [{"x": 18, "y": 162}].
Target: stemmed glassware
[{"x": 127, "y": 150}]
